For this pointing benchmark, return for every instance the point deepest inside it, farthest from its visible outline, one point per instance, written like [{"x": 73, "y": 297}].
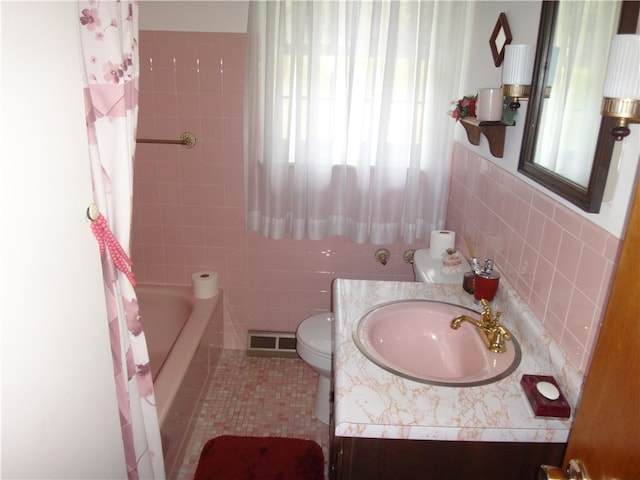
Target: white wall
[
  {"x": 523, "y": 18},
  {"x": 59, "y": 409}
]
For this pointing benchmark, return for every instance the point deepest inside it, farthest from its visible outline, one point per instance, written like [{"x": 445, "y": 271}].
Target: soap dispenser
[{"x": 486, "y": 282}]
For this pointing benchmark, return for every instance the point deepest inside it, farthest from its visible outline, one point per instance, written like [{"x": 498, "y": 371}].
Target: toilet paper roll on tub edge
[
  {"x": 205, "y": 284},
  {"x": 440, "y": 241}
]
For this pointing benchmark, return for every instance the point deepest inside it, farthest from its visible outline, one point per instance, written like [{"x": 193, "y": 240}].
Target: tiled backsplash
[
  {"x": 188, "y": 203},
  {"x": 560, "y": 263}
]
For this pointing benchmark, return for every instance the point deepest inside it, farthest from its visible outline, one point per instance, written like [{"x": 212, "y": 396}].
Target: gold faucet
[{"x": 490, "y": 329}]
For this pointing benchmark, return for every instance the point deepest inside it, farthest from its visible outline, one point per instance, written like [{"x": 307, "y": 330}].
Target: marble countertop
[{"x": 371, "y": 402}]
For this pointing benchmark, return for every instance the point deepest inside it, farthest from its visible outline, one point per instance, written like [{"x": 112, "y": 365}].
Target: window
[{"x": 346, "y": 126}]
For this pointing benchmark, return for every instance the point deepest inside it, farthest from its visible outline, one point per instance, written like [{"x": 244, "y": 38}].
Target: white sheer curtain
[
  {"x": 346, "y": 131},
  {"x": 571, "y": 116}
]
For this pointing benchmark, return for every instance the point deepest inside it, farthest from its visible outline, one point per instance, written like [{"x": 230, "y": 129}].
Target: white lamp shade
[
  {"x": 517, "y": 68},
  {"x": 623, "y": 70}
]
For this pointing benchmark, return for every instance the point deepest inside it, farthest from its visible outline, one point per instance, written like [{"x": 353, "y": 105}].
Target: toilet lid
[
  {"x": 315, "y": 332},
  {"x": 429, "y": 270}
]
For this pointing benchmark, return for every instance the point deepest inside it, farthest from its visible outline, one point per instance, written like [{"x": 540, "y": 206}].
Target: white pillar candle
[{"x": 489, "y": 106}]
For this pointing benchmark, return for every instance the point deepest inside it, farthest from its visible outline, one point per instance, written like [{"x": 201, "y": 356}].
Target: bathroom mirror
[{"x": 567, "y": 146}]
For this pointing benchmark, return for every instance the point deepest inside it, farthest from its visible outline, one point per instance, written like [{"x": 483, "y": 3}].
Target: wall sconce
[
  {"x": 622, "y": 84},
  {"x": 517, "y": 71}
]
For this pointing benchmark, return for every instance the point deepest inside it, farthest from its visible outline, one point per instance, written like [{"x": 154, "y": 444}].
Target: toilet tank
[{"x": 431, "y": 270}]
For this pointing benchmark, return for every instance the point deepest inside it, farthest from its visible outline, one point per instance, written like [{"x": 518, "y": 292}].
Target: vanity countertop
[{"x": 371, "y": 402}]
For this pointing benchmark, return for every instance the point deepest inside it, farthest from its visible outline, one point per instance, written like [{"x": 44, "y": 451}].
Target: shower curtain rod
[{"x": 187, "y": 139}]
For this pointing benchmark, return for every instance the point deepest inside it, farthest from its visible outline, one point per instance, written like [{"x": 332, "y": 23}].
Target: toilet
[
  {"x": 430, "y": 270},
  {"x": 313, "y": 343},
  {"x": 313, "y": 336}
]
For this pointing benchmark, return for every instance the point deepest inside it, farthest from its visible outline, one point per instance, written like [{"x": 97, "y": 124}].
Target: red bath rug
[{"x": 260, "y": 458}]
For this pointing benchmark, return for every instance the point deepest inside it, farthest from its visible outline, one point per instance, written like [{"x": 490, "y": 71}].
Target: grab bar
[{"x": 187, "y": 139}]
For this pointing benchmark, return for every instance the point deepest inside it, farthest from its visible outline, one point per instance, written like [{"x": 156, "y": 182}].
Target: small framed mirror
[{"x": 500, "y": 38}]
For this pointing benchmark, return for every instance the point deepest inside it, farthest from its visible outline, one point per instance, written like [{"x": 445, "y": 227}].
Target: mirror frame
[{"x": 589, "y": 198}]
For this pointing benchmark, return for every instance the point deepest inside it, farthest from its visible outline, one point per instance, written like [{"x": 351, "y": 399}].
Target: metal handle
[
  {"x": 575, "y": 471},
  {"x": 187, "y": 139}
]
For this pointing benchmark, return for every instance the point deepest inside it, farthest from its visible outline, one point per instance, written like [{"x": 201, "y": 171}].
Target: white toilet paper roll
[
  {"x": 440, "y": 241},
  {"x": 205, "y": 284}
]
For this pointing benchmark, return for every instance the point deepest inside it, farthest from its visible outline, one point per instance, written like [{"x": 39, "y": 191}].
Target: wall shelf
[{"x": 493, "y": 131}]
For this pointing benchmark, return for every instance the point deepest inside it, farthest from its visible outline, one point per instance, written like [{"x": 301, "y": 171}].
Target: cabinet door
[{"x": 388, "y": 459}]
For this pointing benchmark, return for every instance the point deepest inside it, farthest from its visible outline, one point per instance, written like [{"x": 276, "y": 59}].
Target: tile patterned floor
[{"x": 258, "y": 396}]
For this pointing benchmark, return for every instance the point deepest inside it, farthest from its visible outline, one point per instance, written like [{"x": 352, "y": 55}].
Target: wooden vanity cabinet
[{"x": 392, "y": 459}]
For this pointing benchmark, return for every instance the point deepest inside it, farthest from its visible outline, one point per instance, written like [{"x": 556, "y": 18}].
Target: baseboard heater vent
[{"x": 271, "y": 344}]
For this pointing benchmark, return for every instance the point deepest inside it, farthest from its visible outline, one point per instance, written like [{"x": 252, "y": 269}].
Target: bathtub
[{"x": 184, "y": 339}]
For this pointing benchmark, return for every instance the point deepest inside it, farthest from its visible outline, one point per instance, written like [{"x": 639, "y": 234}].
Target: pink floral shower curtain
[{"x": 109, "y": 35}]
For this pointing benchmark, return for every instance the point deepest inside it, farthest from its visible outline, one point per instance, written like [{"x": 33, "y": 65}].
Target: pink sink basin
[{"x": 414, "y": 339}]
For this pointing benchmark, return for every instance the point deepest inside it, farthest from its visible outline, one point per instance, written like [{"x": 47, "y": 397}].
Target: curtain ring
[{"x": 92, "y": 212}]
